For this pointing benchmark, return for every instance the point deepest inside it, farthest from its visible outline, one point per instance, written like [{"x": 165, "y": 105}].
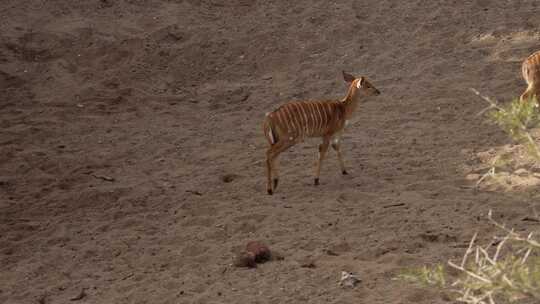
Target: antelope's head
[{"x": 360, "y": 86}]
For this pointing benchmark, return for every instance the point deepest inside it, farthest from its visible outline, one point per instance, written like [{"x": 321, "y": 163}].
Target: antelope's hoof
[
  {"x": 276, "y": 181},
  {"x": 316, "y": 181},
  {"x": 344, "y": 172},
  {"x": 270, "y": 192}
]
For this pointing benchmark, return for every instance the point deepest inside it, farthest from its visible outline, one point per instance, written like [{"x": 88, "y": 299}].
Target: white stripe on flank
[
  {"x": 319, "y": 118},
  {"x": 296, "y": 119},
  {"x": 303, "y": 118},
  {"x": 294, "y": 123},
  {"x": 309, "y": 111},
  {"x": 324, "y": 120},
  {"x": 300, "y": 119},
  {"x": 283, "y": 119},
  {"x": 288, "y": 120},
  {"x": 306, "y": 120}
]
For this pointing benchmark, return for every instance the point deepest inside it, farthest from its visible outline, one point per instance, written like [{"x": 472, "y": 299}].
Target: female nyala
[{"x": 294, "y": 121}]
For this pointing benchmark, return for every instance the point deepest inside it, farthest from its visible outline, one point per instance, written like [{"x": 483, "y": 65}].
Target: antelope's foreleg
[
  {"x": 336, "y": 145},
  {"x": 275, "y": 172},
  {"x": 323, "y": 148},
  {"x": 269, "y": 171}
]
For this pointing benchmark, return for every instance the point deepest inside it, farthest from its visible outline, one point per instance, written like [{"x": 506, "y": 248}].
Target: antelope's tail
[{"x": 269, "y": 129}]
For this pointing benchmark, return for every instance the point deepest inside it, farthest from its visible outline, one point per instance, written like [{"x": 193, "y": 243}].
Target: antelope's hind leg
[
  {"x": 275, "y": 172},
  {"x": 271, "y": 169},
  {"x": 323, "y": 148},
  {"x": 336, "y": 145}
]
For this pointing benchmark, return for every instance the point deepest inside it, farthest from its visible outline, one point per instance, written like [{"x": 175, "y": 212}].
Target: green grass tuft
[{"x": 516, "y": 119}]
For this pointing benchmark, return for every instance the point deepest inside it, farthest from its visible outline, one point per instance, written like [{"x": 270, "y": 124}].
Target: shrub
[
  {"x": 516, "y": 119},
  {"x": 506, "y": 270}
]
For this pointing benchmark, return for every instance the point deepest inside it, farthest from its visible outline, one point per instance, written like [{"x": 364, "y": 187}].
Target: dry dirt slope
[{"x": 120, "y": 118}]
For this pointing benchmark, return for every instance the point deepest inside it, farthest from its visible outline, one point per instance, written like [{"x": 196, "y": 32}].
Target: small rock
[{"x": 348, "y": 279}]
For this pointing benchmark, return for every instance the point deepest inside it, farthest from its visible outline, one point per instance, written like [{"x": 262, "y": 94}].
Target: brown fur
[
  {"x": 294, "y": 121},
  {"x": 530, "y": 70}
]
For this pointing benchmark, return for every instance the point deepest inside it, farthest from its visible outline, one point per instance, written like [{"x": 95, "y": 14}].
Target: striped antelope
[
  {"x": 294, "y": 121},
  {"x": 530, "y": 69}
]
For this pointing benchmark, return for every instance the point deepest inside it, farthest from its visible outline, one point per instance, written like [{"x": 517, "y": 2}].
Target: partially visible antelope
[
  {"x": 530, "y": 69},
  {"x": 293, "y": 122}
]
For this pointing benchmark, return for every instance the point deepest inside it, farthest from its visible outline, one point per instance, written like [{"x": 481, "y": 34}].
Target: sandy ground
[{"x": 120, "y": 121}]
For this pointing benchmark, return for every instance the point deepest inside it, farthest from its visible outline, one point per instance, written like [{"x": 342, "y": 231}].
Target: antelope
[
  {"x": 530, "y": 69},
  {"x": 292, "y": 122}
]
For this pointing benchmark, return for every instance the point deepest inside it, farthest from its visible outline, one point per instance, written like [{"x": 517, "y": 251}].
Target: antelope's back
[{"x": 307, "y": 118}]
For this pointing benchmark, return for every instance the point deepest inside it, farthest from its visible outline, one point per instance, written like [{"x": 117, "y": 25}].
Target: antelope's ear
[
  {"x": 360, "y": 82},
  {"x": 348, "y": 77}
]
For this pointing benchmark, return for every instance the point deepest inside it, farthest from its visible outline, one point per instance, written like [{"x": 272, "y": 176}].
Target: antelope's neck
[{"x": 351, "y": 102}]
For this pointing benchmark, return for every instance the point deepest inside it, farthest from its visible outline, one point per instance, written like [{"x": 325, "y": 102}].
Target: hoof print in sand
[
  {"x": 227, "y": 178},
  {"x": 306, "y": 262}
]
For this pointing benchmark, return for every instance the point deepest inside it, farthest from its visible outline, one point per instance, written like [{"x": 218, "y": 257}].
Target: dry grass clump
[{"x": 504, "y": 271}]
